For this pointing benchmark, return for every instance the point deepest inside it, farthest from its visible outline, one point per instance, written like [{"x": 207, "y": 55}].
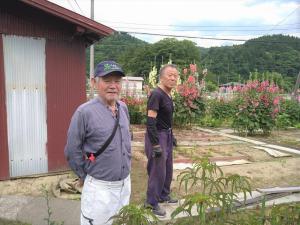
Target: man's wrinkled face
[
  {"x": 109, "y": 87},
  {"x": 169, "y": 77}
]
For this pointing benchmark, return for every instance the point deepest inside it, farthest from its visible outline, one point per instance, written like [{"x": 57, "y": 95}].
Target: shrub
[
  {"x": 258, "y": 106},
  {"x": 283, "y": 121},
  {"x": 136, "y": 108},
  {"x": 292, "y": 109},
  {"x": 189, "y": 104},
  {"x": 221, "y": 109}
]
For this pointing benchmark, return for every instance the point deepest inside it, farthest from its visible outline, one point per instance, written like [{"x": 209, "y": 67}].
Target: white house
[{"x": 132, "y": 86}]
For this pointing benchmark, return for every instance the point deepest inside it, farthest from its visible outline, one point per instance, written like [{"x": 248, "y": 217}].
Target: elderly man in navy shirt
[
  {"x": 159, "y": 140},
  {"x": 98, "y": 148}
]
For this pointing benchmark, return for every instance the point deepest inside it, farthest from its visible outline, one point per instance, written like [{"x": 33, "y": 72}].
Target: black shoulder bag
[{"x": 93, "y": 156}]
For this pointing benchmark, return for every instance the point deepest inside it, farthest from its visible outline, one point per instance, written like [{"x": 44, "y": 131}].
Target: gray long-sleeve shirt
[{"x": 91, "y": 125}]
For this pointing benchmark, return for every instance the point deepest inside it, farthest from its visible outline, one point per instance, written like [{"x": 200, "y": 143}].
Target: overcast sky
[{"x": 220, "y": 19}]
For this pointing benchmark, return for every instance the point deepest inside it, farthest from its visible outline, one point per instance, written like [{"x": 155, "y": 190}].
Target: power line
[
  {"x": 284, "y": 19},
  {"x": 143, "y": 28},
  {"x": 173, "y": 25},
  {"x": 78, "y": 6},
  {"x": 71, "y": 5},
  {"x": 198, "y": 37}
]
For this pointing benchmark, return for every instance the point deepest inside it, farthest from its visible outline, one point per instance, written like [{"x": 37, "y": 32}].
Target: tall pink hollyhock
[
  {"x": 273, "y": 89},
  {"x": 235, "y": 88},
  {"x": 193, "y": 68},
  {"x": 191, "y": 79},
  {"x": 264, "y": 84},
  {"x": 276, "y": 100}
]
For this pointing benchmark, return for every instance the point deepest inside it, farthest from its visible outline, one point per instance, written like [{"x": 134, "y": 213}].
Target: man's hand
[
  {"x": 80, "y": 182},
  {"x": 156, "y": 152}
]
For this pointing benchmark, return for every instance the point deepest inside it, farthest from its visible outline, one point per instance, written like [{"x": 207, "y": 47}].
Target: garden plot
[
  {"x": 195, "y": 143},
  {"x": 263, "y": 169},
  {"x": 288, "y": 138},
  {"x": 220, "y": 152}
]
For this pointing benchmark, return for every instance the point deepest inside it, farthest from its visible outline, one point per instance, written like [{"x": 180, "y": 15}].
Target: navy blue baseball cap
[{"x": 107, "y": 67}]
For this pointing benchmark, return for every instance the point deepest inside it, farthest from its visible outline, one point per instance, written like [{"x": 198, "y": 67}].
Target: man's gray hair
[
  {"x": 162, "y": 70},
  {"x": 97, "y": 79}
]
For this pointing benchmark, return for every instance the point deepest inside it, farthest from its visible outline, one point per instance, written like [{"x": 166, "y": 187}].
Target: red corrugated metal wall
[
  {"x": 4, "y": 165},
  {"x": 18, "y": 19},
  {"x": 65, "y": 86},
  {"x": 65, "y": 76}
]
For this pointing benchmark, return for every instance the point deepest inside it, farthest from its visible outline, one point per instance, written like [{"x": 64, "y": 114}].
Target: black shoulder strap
[{"x": 104, "y": 146}]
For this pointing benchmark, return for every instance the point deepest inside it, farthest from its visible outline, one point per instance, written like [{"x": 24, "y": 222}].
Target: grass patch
[{"x": 11, "y": 222}]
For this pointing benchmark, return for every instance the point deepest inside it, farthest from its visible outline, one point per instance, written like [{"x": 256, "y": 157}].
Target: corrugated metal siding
[
  {"x": 45, "y": 19},
  {"x": 24, "y": 66},
  {"x": 4, "y": 167},
  {"x": 17, "y": 19},
  {"x": 65, "y": 78}
]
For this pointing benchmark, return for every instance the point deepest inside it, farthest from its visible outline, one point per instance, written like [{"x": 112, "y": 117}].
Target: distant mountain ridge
[{"x": 275, "y": 53}]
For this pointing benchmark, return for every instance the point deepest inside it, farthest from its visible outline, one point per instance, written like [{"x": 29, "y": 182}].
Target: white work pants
[{"x": 101, "y": 200}]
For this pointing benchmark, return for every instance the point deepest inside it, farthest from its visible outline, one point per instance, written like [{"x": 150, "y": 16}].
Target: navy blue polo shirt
[{"x": 162, "y": 103}]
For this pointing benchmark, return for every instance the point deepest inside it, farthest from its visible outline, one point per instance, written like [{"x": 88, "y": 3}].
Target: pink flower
[
  {"x": 191, "y": 79},
  {"x": 276, "y": 100},
  {"x": 264, "y": 84},
  {"x": 255, "y": 104},
  {"x": 229, "y": 89},
  {"x": 193, "y": 68}
]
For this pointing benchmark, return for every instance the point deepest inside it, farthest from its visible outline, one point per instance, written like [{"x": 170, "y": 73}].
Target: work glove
[
  {"x": 156, "y": 152},
  {"x": 174, "y": 142}
]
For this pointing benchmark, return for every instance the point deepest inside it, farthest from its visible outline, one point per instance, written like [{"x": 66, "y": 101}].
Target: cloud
[{"x": 220, "y": 19}]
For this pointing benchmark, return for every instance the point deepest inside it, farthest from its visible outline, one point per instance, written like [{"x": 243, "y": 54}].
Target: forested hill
[{"x": 276, "y": 53}]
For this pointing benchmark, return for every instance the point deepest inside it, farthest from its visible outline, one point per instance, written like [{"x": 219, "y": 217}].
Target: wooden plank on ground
[
  {"x": 279, "y": 190},
  {"x": 285, "y": 149},
  {"x": 228, "y": 158},
  {"x": 207, "y": 143},
  {"x": 234, "y": 162},
  {"x": 272, "y": 152}
]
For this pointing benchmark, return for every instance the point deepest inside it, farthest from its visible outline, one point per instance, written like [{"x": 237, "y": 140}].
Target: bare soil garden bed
[{"x": 263, "y": 169}]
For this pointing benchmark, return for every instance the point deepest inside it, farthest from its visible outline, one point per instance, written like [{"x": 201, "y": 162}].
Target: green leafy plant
[
  {"x": 276, "y": 215},
  {"x": 291, "y": 109},
  {"x": 283, "y": 121},
  {"x": 216, "y": 192},
  {"x": 285, "y": 215},
  {"x": 222, "y": 109},
  {"x": 133, "y": 215},
  {"x": 48, "y": 219},
  {"x": 209, "y": 121}
]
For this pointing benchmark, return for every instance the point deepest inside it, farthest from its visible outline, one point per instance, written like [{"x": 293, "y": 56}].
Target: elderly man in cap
[{"x": 98, "y": 148}]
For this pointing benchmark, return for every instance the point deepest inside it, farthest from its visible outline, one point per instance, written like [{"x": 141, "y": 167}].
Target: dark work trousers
[{"x": 160, "y": 170}]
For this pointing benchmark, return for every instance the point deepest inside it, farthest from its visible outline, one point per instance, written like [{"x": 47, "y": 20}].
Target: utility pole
[
  {"x": 92, "y": 56},
  {"x": 227, "y": 72},
  {"x": 295, "y": 93}
]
